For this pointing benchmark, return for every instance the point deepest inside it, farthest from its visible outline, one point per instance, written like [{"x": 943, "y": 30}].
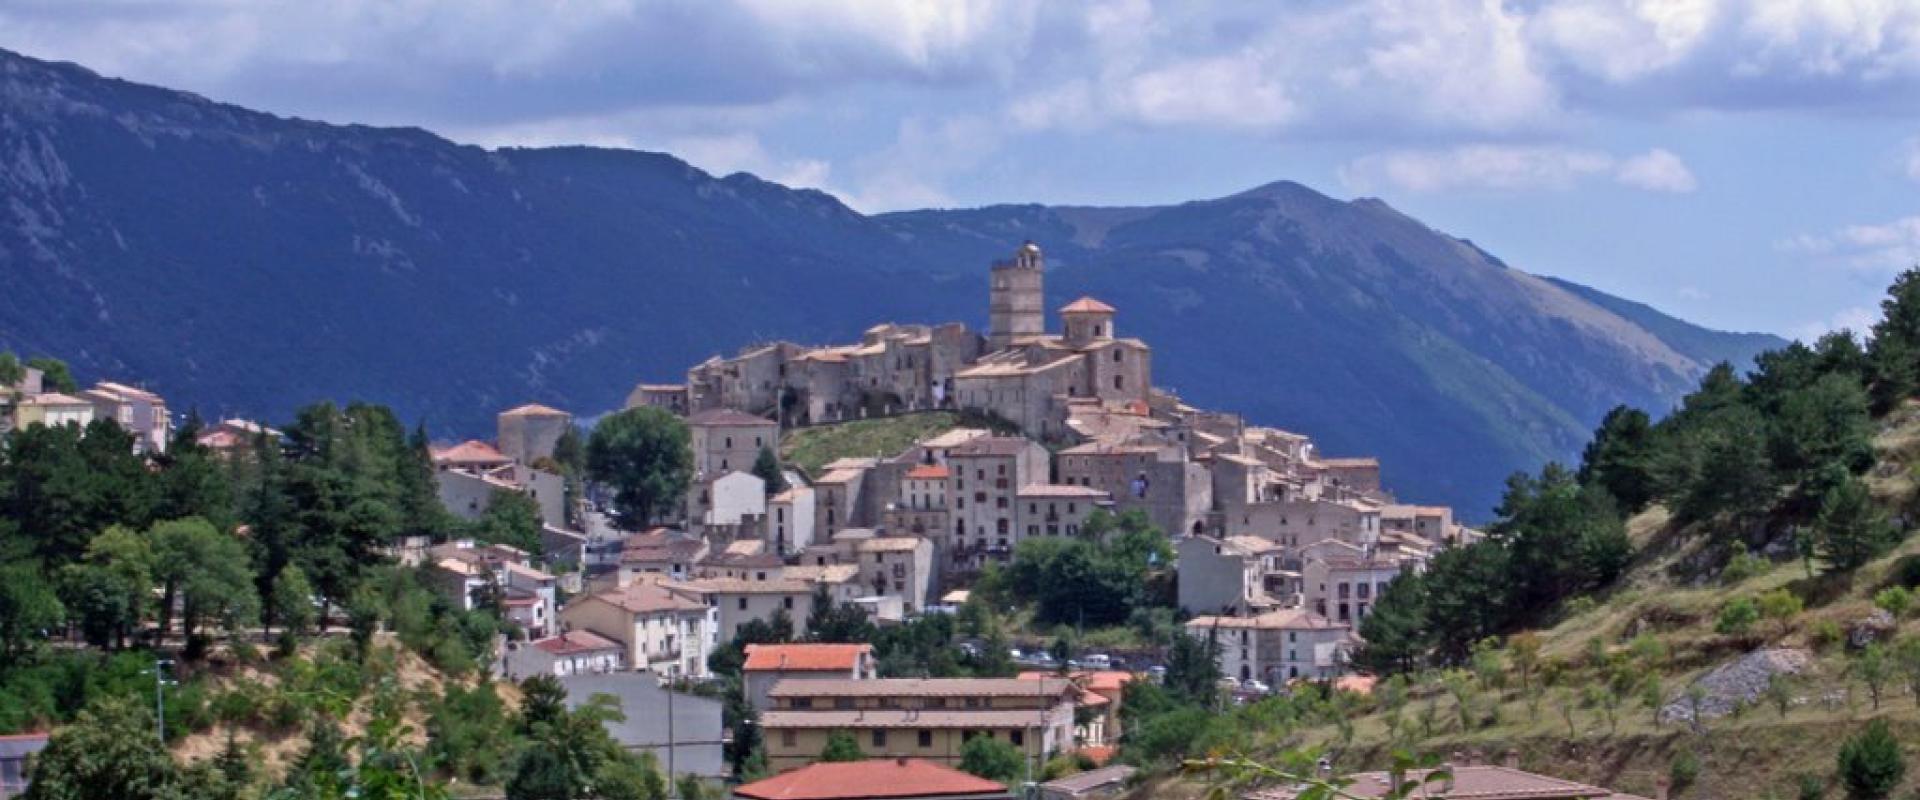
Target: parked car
[
  {"x": 1157, "y": 673},
  {"x": 1043, "y": 658},
  {"x": 1256, "y": 686},
  {"x": 1096, "y": 661},
  {"x": 1016, "y": 655}
]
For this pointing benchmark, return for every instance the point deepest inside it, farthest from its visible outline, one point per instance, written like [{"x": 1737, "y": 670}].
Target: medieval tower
[{"x": 1016, "y": 307}]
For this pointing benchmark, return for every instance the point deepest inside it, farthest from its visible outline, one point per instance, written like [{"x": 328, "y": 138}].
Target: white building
[
  {"x": 661, "y": 630},
  {"x": 1277, "y": 646}
]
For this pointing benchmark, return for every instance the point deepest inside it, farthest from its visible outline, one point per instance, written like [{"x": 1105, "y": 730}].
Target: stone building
[
  {"x": 529, "y": 432},
  {"x": 660, "y": 629},
  {"x": 671, "y": 397},
  {"x": 987, "y": 474},
  {"x": 725, "y": 440},
  {"x": 897, "y": 565},
  {"x": 1175, "y": 493},
  {"x": 1050, "y": 509},
  {"x": 790, "y": 520},
  {"x": 1016, "y": 305},
  {"x": 1277, "y": 646}
]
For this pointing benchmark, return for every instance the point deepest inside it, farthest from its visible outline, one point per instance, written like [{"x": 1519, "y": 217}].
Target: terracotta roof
[
  {"x": 808, "y": 657},
  {"x": 645, "y": 597},
  {"x": 1286, "y": 618},
  {"x": 54, "y": 399},
  {"x": 919, "y": 687},
  {"x": 534, "y": 410},
  {"x": 782, "y": 585},
  {"x": 576, "y": 642},
  {"x": 1086, "y": 305},
  {"x": 727, "y": 417},
  {"x": 472, "y": 451},
  {"x": 928, "y": 472},
  {"x": 840, "y": 476},
  {"x": 826, "y": 573},
  {"x": 870, "y": 779},
  {"x": 1469, "y": 783},
  {"x": 891, "y": 544},
  {"x": 1100, "y": 754},
  {"x": 659, "y": 545}
]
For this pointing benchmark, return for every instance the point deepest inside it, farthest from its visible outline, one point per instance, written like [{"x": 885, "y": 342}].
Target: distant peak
[{"x": 1281, "y": 190}]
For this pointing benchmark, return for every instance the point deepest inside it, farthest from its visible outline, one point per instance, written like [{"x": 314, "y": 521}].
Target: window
[
  {"x": 1119, "y": 381},
  {"x": 926, "y": 739},
  {"x": 743, "y": 603},
  {"x": 729, "y": 443},
  {"x": 786, "y": 603},
  {"x": 803, "y": 702},
  {"x": 879, "y": 737},
  {"x": 787, "y": 739},
  {"x": 973, "y": 702},
  {"x": 1019, "y": 738},
  {"x": 843, "y": 703}
]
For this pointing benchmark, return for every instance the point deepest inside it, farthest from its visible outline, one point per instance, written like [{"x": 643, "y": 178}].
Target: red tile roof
[
  {"x": 472, "y": 451},
  {"x": 1086, "y": 305},
  {"x": 928, "y": 472},
  {"x": 573, "y": 642},
  {"x": 790, "y": 657},
  {"x": 869, "y": 780},
  {"x": 534, "y": 410}
]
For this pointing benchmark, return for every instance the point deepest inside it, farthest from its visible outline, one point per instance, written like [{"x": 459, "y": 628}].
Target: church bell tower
[{"x": 1016, "y": 303}]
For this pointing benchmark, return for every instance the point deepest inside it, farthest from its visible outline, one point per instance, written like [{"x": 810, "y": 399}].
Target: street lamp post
[{"x": 160, "y": 684}]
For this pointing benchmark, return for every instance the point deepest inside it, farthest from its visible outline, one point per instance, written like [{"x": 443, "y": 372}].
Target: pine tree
[
  {"x": 766, "y": 466},
  {"x": 1894, "y": 353},
  {"x": 1850, "y": 530},
  {"x": 1871, "y": 765}
]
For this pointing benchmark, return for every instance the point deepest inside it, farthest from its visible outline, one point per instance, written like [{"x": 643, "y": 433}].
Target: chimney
[
  {"x": 1511, "y": 759},
  {"x": 1661, "y": 786}
]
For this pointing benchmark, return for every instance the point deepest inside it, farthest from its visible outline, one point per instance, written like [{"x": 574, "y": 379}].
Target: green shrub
[
  {"x": 1743, "y": 566},
  {"x": 1826, "y": 633},
  {"x": 1737, "y": 617},
  {"x": 1895, "y": 600},
  {"x": 1683, "y": 770}
]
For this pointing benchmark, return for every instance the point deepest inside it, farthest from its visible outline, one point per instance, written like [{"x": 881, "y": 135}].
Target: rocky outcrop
[{"x": 1739, "y": 682}]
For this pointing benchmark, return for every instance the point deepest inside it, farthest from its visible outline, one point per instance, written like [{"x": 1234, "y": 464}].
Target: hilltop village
[
  {"x": 1274, "y": 540},
  {"x": 1277, "y": 551}
]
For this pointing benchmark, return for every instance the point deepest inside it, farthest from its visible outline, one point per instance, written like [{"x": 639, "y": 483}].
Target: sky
[{"x": 1745, "y": 164}]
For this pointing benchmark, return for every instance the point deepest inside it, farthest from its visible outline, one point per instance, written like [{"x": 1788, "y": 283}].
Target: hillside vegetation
[{"x": 1722, "y": 600}]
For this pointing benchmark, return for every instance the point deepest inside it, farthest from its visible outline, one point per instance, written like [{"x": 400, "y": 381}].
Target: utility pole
[{"x": 160, "y": 684}]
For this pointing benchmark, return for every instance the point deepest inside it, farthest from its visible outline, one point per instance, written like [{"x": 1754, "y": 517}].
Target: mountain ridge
[{"x": 247, "y": 263}]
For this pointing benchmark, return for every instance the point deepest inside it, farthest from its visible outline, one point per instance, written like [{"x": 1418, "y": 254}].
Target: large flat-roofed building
[{"x": 917, "y": 718}]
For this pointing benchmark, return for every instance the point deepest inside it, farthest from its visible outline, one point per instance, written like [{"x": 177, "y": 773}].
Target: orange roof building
[
  {"x": 848, "y": 658},
  {"x": 873, "y": 779}
]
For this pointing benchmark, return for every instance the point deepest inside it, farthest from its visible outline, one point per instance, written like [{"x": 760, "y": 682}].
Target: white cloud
[
  {"x": 1657, "y": 170},
  {"x": 1514, "y": 168},
  {"x": 1874, "y": 248},
  {"x": 1856, "y": 319}
]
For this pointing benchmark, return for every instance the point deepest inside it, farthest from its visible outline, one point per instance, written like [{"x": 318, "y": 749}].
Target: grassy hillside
[
  {"x": 809, "y": 449},
  {"x": 1660, "y": 619}
]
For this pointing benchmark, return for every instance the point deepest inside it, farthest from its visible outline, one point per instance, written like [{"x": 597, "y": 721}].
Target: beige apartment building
[{"x": 917, "y": 718}]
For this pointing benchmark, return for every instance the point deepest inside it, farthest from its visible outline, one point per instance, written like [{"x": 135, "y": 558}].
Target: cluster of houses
[
  {"x": 141, "y": 413},
  {"x": 1282, "y": 550}
]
